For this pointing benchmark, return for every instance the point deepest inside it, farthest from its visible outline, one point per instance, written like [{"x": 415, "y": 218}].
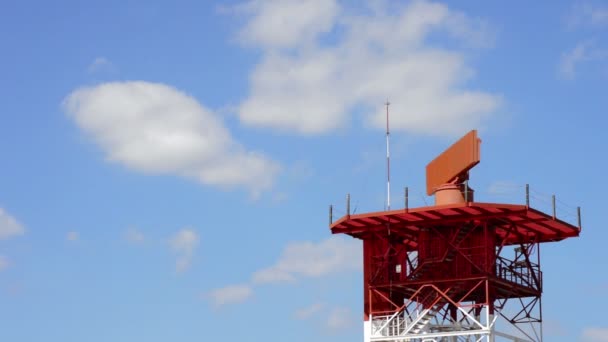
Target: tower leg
[{"x": 367, "y": 331}]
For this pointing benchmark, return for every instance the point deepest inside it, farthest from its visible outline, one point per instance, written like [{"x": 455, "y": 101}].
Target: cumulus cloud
[
  {"x": 306, "y": 85},
  {"x": 154, "y": 128},
  {"x": 312, "y": 259},
  {"x": 230, "y": 295},
  {"x": 184, "y": 244},
  {"x": 134, "y": 236},
  {"x": 595, "y": 335},
  {"x": 9, "y": 226},
  {"x": 286, "y": 23}
]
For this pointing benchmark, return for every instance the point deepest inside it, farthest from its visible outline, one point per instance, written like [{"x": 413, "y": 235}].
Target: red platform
[{"x": 514, "y": 224}]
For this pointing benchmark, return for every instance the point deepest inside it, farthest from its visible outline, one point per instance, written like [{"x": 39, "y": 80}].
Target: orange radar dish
[{"x": 454, "y": 163}]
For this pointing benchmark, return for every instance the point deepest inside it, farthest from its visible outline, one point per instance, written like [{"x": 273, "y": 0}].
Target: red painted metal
[{"x": 454, "y": 254}]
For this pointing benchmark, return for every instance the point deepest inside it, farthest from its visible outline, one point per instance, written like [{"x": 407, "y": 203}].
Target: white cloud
[
  {"x": 595, "y": 335},
  {"x": 285, "y": 23},
  {"x": 569, "y": 60},
  {"x": 310, "y": 259},
  {"x": 184, "y": 243},
  {"x": 588, "y": 14},
  {"x": 72, "y": 236},
  {"x": 134, "y": 236},
  {"x": 309, "y": 311},
  {"x": 154, "y": 128},
  {"x": 99, "y": 64},
  {"x": 340, "y": 318},
  {"x": 298, "y": 260},
  {"x": 583, "y": 52},
  {"x": 9, "y": 226},
  {"x": 230, "y": 295},
  {"x": 4, "y": 263},
  {"x": 309, "y": 86}
]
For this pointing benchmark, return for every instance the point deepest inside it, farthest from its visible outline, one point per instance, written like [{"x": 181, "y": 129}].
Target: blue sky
[{"x": 167, "y": 166}]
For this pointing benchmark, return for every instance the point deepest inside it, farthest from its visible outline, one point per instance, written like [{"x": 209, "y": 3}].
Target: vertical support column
[
  {"x": 331, "y": 214},
  {"x": 489, "y": 312},
  {"x": 367, "y": 330},
  {"x": 527, "y": 195}
]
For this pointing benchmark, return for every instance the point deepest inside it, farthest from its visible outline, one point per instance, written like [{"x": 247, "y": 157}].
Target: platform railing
[
  {"x": 519, "y": 272},
  {"x": 498, "y": 192}
]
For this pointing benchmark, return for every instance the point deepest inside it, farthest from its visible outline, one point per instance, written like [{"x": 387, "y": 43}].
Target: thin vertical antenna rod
[{"x": 388, "y": 161}]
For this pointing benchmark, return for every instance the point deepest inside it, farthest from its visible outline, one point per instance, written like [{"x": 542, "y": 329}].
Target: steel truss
[
  {"x": 506, "y": 295},
  {"x": 434, "y": 315}
]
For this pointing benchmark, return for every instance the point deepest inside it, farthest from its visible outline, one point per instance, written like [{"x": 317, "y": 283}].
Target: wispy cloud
[
  {"x": 9, "y": 226},
  {"x": 154, "y": 128},
  {"x": 299, "y": 260},
  {"x": 307, "y": 86},
  {"x": 588, "y": 14},
  {"x": 312, "y": 259},
  {"x": 72, "y": 236},
  {"x": 585, "y": 17},
  {"x": 4, "y": 263},
  {"x": 554, "y": 328},
  {"x": 230, "y": 295},
  {"x": 134, "y": 236},
  {"x": 100, "y": 64},
  {"x": 332, "y": 319},
  {"x": 594, "y": 334},
  {"x": 184, "y": 243},
  {"x": 583, "y": 52},
  {"x": 340, "y": 319},
  {"x": 504, "y": 188},
  {"x": 309, "y": 311}
]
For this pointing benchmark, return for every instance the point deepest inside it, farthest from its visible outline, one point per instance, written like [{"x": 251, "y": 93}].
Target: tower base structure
[
  {"x": 451, "y": 273},
  {"x": 450, "y": 322}
]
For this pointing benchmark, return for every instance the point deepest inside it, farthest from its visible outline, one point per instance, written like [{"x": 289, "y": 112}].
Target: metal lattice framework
[{"x": 452, "y": 271}]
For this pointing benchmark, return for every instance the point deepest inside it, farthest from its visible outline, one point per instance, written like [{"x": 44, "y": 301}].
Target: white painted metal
[
  {"x": 426, "y": 326},
  {"x": 388, "y": 161},
  {"x": 367, "y": 331}
]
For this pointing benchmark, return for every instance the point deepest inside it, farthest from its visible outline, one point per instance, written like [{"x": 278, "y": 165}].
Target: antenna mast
[{"x": 388, "y": 161}]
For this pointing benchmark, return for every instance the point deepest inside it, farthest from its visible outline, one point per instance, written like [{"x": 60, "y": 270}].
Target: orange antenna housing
[{"x": 453, "y": 165}]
